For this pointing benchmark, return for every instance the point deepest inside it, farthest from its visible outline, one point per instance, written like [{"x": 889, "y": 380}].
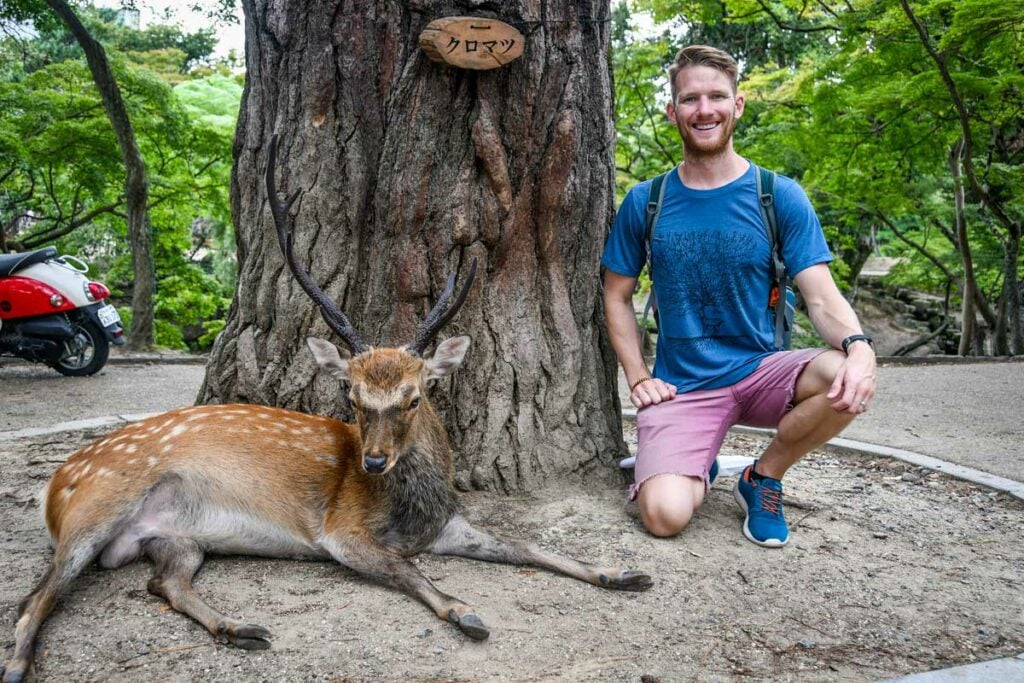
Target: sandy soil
[{"x": 890, "y": 571}]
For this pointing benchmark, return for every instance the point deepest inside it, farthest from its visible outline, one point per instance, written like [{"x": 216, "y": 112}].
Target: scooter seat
[{"x": 12, "y": 263}]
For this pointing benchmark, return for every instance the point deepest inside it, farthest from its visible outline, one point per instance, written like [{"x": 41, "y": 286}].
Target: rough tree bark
[
  {"x": 136, "y": 186},
  {"x": 409, "y": 169}
]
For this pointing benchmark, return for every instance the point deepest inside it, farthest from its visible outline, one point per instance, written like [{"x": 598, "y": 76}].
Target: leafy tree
[{"x": 58, "y": 153}]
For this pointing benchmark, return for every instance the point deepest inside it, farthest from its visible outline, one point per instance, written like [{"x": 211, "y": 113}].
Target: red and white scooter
[{"x": 51, "y": 313}]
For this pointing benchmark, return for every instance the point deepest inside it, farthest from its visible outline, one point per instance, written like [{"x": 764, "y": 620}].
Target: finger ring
[{"x": 863, "y": 404}]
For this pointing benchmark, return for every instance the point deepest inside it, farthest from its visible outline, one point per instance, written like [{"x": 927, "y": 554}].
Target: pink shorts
[{"x": 683, "y": 436}]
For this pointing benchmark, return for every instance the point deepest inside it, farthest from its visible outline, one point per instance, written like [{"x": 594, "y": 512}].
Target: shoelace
[{"x": 770, "y": 499}]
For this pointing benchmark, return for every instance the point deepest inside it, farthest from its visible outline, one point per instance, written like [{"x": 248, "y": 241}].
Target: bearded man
[{"x": 717, "y": 362}]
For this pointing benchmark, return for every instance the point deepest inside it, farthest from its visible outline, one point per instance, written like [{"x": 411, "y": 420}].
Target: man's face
[{"x": 705, "y": 110}]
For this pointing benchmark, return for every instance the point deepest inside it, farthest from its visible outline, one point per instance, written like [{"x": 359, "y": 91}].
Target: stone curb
[
  {"x": 992, "y": 481},
  {"x": 1004, "y": 669},
  {"x": 92, "y": 423},
  {"x": 157, "y": 358}
]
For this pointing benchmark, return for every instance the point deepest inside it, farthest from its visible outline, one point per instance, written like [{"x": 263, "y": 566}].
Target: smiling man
[{"x": 717, "y": 364}]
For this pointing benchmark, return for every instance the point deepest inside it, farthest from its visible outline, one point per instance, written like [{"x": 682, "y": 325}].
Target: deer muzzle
[{"x": 375, "y": 463}]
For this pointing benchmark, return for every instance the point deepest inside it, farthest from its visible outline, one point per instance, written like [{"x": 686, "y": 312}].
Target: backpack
[{"x": 781, "y": 297}]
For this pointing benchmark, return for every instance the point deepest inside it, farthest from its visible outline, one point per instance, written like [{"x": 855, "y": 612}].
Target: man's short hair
[{"x": 703, "y": 55}]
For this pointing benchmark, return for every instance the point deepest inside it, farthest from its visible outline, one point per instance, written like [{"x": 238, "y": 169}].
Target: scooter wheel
[{"x": 90, "y": 352}]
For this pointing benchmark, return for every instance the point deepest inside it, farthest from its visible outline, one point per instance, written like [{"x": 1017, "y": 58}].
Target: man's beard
[{"x": 695, "y": 148}]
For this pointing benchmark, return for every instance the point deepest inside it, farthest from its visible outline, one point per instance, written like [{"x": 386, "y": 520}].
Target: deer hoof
[
  {"x": 627, "y": 581},
  {"x": 470, "y": 625},
  {"x": 249, "y": 637},
  {"x": 10, "y": 676}
]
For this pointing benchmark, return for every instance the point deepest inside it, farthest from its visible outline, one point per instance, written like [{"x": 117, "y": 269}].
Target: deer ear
[
  {"x": 330, "y": 357},
  {"x": 447, "y": 357}
]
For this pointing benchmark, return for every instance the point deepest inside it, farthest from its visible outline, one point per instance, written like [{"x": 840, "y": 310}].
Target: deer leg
[
  {"x": 461, "y": 538},
  {"x": 69, "y": 559},
  {"x": 372, "y": 560},
  {"x": 176, "y": 562}
]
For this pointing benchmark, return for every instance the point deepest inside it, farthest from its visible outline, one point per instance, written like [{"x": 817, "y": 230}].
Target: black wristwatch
[{"x": 856, "y": 338}]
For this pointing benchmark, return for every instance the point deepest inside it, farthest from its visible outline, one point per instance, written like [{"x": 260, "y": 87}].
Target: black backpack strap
[
  {"x": 765, "y": 182},
  {"x": 654, "y": 201}
]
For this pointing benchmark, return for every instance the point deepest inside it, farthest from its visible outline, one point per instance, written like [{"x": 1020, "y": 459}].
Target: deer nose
[{"x": 374, "y": 463}]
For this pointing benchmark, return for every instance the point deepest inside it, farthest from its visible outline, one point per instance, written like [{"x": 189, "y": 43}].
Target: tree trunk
[
  {"x": 135, "y": 186},
  {"x": 967, "y": 314},
  {"x": 1009, "y": 332},
  {"x": 409, "y": 169}
]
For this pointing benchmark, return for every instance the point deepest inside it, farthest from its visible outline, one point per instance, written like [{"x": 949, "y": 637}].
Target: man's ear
[
  {"x": 741, "y": 102},
  {"x": 330, "y": 357},
  {"x": 447, "y": 357}
]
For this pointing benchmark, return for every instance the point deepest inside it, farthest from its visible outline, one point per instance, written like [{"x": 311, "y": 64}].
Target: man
[{"x": 716, "y": 361}]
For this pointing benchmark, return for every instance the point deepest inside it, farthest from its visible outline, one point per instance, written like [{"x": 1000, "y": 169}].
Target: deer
[{"x": 239, "y": 479}]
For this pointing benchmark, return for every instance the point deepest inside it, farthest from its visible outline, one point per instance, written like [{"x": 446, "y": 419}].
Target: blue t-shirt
[{"x": 711, "y": 266}]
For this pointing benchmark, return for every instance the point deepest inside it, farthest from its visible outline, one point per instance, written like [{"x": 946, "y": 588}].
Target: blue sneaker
[
  {"x": 713, "y": 473},
  {"x": 761, "y": 499}
]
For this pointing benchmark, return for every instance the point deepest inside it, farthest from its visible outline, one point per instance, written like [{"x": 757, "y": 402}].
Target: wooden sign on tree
[{"x": 471, "y": 42}]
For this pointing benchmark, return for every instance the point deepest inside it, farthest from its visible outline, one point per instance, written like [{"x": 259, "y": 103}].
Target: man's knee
[
  {"x": 667, "y": 504},
  {"x": 665, "y": 519},
  {"x": 817, "y": 377}
]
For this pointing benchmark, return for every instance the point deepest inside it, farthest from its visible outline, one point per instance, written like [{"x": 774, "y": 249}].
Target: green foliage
[{"x": 60, "y": 165}]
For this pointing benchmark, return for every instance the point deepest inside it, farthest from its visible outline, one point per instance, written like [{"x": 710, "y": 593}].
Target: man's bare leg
[
  {"x": 811, "y": 422},
  {"x": 668, "y": 501}
]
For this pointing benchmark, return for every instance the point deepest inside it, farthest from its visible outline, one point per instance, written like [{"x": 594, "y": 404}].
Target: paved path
[{"x": 966, "y": 413}]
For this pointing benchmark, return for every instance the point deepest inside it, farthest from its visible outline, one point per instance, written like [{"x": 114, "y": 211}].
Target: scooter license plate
[{"x": 108, "y": 316}]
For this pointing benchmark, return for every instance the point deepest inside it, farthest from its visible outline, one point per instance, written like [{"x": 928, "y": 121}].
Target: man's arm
[
  {"x": 835, "y": 320},
  {"x": 618, "y": 309}
]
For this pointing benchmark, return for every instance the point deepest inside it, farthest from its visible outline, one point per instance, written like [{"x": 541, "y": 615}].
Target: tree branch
[
  {"x": 965, "y": 123},
  {"x": 796, "y": 29}
]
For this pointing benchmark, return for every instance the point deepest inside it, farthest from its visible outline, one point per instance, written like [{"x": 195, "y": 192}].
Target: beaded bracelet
[{"x": 637, "y": 383}]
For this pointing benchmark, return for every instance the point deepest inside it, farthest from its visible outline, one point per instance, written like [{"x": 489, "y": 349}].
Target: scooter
[{"x": 51, "y": 313}]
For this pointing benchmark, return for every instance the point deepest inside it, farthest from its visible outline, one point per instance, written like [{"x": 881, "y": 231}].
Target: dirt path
[{"x": 889, "y": 572}]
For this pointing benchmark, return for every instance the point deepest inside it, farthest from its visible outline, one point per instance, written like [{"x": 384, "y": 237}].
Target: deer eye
[{"x": 414, "y": 403}]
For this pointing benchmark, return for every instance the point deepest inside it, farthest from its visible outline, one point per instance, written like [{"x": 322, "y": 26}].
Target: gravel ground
[{"x": 890, "y": 571}]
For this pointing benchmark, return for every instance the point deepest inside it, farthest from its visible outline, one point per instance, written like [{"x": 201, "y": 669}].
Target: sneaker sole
[{"x": 771, "y": 542}]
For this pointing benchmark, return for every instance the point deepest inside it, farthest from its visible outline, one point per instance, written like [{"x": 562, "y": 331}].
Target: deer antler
[
  {"x": 441, "y": 313},
  {"x": 332, "y": 315}
]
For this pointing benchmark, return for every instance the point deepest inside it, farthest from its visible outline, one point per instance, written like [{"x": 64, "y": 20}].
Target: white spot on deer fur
[
  {"x": 103, "y": 472},
  {"x": 85, "y": 468},
  {"x": 131, "y": 448},
  {"x": 178, "y": 430},
  {"x": 119, "y": 447},
  {"x": 167, "y": 448},
  {"x": 152, "y": 461}
]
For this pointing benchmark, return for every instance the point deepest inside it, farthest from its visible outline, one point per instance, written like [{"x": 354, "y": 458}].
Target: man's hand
[
  {"x": 651, "y": 391},
  {"x": 854, "y": 383}
]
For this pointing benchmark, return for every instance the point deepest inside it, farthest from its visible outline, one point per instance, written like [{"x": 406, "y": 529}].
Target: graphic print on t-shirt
[{"x": 713, "y": 273}]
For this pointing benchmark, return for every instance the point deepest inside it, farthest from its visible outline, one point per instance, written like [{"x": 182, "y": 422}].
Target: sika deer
[{"x": 242, "y": 479}]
